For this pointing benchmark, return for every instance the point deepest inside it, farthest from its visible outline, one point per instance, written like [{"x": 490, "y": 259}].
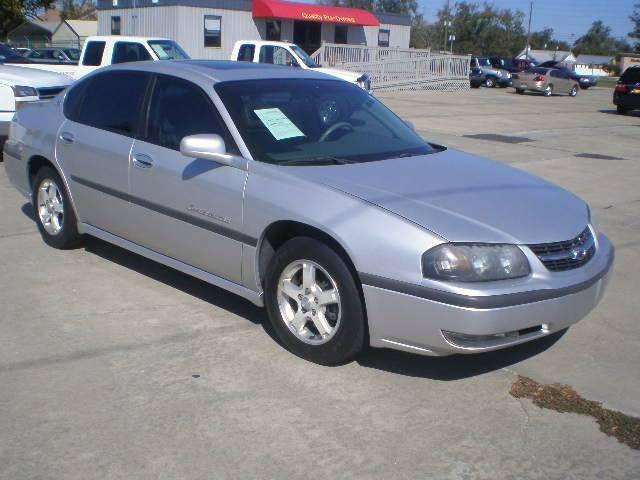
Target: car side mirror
[{"x": 210, "y": 147}]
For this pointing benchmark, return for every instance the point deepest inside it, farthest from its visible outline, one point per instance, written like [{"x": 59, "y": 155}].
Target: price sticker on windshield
[{"x": 278, "y": 123}]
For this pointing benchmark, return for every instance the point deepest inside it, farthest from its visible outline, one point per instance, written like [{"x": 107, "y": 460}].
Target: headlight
[
  {"x": 474, "y": 263},
  {"x": 22, "y": 91}
]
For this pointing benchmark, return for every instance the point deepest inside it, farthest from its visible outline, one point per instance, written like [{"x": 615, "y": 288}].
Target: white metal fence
[{"x": 395, "y": 69}]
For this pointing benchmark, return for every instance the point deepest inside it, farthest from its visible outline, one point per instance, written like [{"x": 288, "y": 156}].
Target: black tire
[
  {"x": 548, "y": 91},
  {"x": 584, "y": 87},
  {"x": 68, "y": 236},
  {"x": 349, "y": 338},
  {"x": 475, "y": 85},
  {"x": 490, "y": 82},
  {"x": 621, "y": 110},
  {"x": 574, "y": 91},
  {"x": 520, "y": 91}
]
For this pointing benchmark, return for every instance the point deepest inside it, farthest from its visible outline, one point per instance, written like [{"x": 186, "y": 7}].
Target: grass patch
[{"x": 564, "y": 399}]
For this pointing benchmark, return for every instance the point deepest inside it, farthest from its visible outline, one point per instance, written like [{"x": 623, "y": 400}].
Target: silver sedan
[
  {"x": 547, "y": 81},
  {"x": 307, "y": 196}
]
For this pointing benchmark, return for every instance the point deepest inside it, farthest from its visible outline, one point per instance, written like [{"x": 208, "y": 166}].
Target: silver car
[
  {"x": 547, "y": 81},
  {"x": 306, "y": 195}
]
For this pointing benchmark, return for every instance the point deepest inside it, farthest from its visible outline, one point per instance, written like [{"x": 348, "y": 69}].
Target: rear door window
[
  {"x": 245, "y": 53},
  {"x": 112, "y": 100},
  {"x": 276, "y": 55},
  {"x": 124, "y": 52},
  {"x": 93, "y": 53}
]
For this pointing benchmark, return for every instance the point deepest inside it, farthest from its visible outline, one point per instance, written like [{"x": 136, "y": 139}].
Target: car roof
[{"x": 208, "y": 71}]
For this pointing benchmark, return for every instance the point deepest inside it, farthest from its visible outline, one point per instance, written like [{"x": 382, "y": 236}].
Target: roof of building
[
  {"x": 540, "y": 56},
  {"x": 49, "y": 27},
  {"x": 83, "y": 28},
  {"x": 594, "y": 60}
]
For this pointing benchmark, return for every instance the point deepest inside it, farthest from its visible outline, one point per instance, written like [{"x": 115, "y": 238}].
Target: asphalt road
[{"x": 112, "y": 366}]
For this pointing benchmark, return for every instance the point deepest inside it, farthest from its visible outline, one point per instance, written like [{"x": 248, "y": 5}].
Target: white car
[
  {"x": 19, "y": 85},
  {"x": 291, "y": 55}
]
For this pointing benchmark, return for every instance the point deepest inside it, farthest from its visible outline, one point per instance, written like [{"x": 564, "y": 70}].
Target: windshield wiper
[{"x": 317, "y": 161}]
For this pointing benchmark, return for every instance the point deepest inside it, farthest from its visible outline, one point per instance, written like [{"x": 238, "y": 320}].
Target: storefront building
[{"x": 209, "y": 28}]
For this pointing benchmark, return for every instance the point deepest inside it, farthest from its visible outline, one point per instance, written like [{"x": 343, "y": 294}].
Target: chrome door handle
[
  {"x": 142, "y": 160},
  {"x": 66, "y": 137}
]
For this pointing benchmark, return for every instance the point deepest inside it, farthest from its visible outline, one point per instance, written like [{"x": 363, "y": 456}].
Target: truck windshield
[
  {"x": 305, "y": 121},
  {"x": 304, "y": 56},
  {"x": 167, "y": 50},
  {"x": 484, "y": 62}
]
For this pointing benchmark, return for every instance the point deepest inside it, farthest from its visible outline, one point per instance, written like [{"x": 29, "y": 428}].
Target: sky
[{"x": 566, "y": 17}]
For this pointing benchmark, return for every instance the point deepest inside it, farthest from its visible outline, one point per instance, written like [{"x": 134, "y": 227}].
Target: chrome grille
[
  {"x": 567, "y": 255},
  {"x": 49, "y": 92}
]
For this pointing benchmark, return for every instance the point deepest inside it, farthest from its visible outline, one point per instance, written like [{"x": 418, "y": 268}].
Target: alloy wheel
[
  {"x": 50, "y": 207},
  {"x": 309, "y": 302}
]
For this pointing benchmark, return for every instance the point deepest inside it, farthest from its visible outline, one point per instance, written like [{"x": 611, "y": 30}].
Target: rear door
[
  {"x": 185, "y": 208},
  {"x": 94, "y": 145},
  {"x": 561, "y": 82}
]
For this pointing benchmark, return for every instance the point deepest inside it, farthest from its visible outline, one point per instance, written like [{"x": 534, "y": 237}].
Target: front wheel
[
  {"x": 490, "y": 82},
  {"x": 313, "y": 302},
  {"x": 574, "y": 91},
  {"x": 54, "y": 214},
  {"x": 520, "y": 91}
]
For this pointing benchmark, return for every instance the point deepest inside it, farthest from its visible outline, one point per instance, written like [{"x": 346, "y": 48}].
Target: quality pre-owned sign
[{"x": 322, "y": 17}]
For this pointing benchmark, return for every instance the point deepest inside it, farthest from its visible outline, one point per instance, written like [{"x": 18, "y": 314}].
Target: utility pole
[
  {"x": 527, "y": 46},
  {"x": 447, "y": 22}
]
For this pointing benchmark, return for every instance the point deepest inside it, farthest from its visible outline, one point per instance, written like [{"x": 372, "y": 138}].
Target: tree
[
  {"x": 362, "y": 4},
  {"x": 82, "y": 10},
  {"x": 598, "y": 41},
  {"x": 399, "y": 6},
  {"x": 14, "y": 12},
  {"x": 635, "y": 18},
  {"x": 423, "y": 34}
]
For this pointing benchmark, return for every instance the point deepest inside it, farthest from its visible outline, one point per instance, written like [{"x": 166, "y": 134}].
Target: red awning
[{"x": 313, "y": 13}]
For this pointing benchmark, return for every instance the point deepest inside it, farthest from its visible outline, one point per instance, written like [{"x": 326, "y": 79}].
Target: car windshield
[
  {"x": 167, "y": 50},
  {"x": 304, "y": 56},
  {"x": 307, "y": 121},
  {"x": 72, "y": 53}
]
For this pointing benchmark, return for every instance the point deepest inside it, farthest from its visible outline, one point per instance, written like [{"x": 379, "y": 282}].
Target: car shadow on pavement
[
  {"x": 453, "y": 367},
  {"x": 632, "y": 113}
]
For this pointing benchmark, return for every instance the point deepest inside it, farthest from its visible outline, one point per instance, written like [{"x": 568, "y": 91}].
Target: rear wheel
[
  {"x": 54, "y": 214},
  {"x": 621, "y": 110},
  {"x": 490, "y": 82},
  {"x": 548, "y": 91},
  {"x": 313, "y": 302},
  {"x": 574, "y": 91}
]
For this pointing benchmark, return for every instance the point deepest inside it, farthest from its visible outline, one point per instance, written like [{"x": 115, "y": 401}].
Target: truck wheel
[
  {"x": 313, "y": 302},
  {"x": 53, "y": 212},
  {"x": 490, "y": 82}
]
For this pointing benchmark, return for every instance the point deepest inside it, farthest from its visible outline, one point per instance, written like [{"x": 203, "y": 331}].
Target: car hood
[
  {"x": 341, "y": 74},
  {"x": 31, "y": 77},
  {"x": 461, "y": 197}
]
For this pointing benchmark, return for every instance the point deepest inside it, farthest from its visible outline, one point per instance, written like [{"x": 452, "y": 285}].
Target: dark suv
[
  {"x": 513, "y": 65},
  {"x": 626, "y": 95}
]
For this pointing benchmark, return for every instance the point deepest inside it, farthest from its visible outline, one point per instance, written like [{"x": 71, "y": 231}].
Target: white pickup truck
[
  {"x": 102, "y": 51},
  {"x": 19, "y": 86},
  {"x": 291, "y": 55}
]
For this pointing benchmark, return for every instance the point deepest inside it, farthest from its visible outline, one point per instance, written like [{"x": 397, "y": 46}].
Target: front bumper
[
  {"x": 428, "y": 326},
  {"x": 505, "y": 82}
]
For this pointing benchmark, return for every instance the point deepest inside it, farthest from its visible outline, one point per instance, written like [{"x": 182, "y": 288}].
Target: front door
[
  {"x": 187, "y": 209},
  {"x": 307, "y": 35},
  {"x": 94, "y": 143}
]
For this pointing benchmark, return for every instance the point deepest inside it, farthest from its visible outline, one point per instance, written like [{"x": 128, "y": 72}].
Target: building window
[
  {"x": 212, "y": 31},
  {"x": 383, "y": 38},
  {"x": 341, "y": 34},
  {"x": 115, "y": 25},
  {"x": 273, "y": 30}
]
